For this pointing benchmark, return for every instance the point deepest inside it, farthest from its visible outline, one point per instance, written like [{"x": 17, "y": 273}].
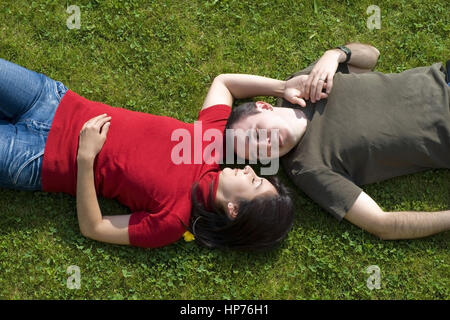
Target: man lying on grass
[{"x": 366, "y": 127}]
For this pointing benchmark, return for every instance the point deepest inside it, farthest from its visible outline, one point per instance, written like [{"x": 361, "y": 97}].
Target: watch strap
[{"x": 347, "y": 52}]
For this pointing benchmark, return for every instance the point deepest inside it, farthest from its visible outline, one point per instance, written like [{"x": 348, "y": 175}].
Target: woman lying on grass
[{"x": 54, "y": 140}]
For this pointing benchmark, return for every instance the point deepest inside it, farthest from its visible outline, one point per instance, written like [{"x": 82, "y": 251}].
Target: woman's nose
[{"x": 249, "y": 170}]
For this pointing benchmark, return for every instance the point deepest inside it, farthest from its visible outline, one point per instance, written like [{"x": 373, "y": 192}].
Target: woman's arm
[
  {"x": 111, "y": 229},
  {"x": 227, "y": 87},
  {"x": 88, "y": 210}
]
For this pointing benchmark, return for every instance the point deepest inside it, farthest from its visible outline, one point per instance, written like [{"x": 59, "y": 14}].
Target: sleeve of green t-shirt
[{"x": 330, "y": 190}]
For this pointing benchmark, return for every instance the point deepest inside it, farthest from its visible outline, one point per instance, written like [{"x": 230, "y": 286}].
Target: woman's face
[{"x": 237, "y": 184}]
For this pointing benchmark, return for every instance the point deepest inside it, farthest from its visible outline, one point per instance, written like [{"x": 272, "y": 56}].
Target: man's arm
[
  {"x": 227, "y": 87},
  {"x": 111, "y": 229},
  {"x": 366, "y": 214},
  {"x": 364, "y": 57}
]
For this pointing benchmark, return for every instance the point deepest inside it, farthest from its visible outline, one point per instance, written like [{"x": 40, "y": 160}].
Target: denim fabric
[{"x": 28, "y": 102}]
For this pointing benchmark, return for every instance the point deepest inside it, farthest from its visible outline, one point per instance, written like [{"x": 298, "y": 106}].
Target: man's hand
[
  {"x": 363, "y": 59},
  {"x": 93, "y": 136},
  {"x": 322, "y": 74},
  {"x": 295, "y": 90}
]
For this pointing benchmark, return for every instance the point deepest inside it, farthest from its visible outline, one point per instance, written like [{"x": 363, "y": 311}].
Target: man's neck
[{"x": 297, "y": 121}]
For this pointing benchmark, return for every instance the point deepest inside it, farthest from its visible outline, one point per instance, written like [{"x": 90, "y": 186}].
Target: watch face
[
  {"x": 347, "y": 53},
  {"x": 345, "y": 49}
]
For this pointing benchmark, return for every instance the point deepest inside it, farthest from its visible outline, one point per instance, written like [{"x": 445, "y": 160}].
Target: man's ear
[
  {"x": 232, "y": 210},
  {"x": 263, "y": 105}
]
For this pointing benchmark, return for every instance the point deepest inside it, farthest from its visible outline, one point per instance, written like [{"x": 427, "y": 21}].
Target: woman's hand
[
  {"x": 93, "y": 136},
  {"x": 295, "y": 90},
  {"x": 322, "y": 74}
]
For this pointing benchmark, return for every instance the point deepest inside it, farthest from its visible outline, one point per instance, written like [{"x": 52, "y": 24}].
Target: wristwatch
[{"x": 347, "y": 52}]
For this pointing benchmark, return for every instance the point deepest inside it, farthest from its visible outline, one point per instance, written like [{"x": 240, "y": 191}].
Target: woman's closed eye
[{"x": 259, "y": 184}]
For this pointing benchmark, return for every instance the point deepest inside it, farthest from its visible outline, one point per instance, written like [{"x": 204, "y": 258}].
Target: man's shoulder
[{"x": 297, "y": 163}]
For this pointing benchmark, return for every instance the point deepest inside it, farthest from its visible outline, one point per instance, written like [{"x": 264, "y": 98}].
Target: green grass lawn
[{"x": 160, "y": 57}]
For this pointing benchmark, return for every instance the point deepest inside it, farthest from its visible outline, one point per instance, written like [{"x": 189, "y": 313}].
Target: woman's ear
[{"x": 232, "y": 210}]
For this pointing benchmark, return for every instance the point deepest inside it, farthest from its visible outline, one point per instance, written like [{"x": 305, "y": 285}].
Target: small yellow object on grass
[{"x": 188, "y": 236}]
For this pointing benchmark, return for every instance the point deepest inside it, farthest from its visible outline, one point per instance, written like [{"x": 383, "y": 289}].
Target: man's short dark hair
[{"x": 241, "y": 112}]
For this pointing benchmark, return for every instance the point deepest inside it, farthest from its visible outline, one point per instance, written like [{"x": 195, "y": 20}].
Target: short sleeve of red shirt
[
  {"x": 153, "y": 230},
  {"x": 157, "y": 229},
  {"x": 215, "y": 116}
]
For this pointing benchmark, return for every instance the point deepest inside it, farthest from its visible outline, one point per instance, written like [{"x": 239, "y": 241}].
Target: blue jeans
[{"x": 28, "y": 102}]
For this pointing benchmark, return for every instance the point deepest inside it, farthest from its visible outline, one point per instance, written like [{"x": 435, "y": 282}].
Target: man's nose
[{"x": 265, "y": 145}]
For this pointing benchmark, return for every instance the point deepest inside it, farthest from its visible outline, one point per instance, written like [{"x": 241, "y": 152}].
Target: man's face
[{"x": 252, "y": 126}]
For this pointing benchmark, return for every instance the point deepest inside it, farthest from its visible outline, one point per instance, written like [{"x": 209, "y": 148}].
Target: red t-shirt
[{"x": 135, "y": 165}]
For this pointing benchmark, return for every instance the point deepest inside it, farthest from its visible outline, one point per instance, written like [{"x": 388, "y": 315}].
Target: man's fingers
[
  {"x": 329, "y": 83},
  {"x": 308, "y": 85},
  {"x": 320, "y": 85},
  {"x": 314, "y": 88},
  {"x": 323, "y": 95}
]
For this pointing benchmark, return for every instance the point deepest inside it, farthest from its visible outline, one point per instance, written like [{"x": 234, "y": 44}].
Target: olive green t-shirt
[{"x": 372, "y": 127}]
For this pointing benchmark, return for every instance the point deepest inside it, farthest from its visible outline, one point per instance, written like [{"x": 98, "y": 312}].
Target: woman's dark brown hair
[{"x": 260, "y": 224}]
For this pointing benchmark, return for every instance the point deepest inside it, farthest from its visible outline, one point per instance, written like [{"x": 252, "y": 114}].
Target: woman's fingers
[
  {"x": 101, "y": 118},
  {"x": 299, "y": 101},
  {"x": 97, "y": 121},
  {"x": 100, "y": 122}
]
